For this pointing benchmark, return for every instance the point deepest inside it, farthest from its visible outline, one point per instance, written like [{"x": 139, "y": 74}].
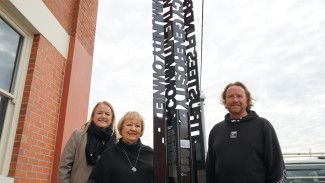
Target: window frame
[
  {"x": 15, "y": 97},
  {"x": 6, "y": 94}
]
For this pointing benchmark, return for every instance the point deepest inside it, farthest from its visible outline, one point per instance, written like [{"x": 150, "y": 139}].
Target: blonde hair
[
  {"x": 113, "y": 125},
  {"x": 130, "y": 115}
]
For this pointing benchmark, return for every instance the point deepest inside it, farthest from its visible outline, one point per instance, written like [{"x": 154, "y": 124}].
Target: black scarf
[{"x": 97, "y": 142}]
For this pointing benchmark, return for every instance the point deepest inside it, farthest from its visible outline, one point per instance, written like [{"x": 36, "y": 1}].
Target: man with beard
[{"x": 243, "y": 148}]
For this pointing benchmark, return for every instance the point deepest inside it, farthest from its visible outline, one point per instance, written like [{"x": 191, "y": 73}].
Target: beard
[{"x": 237, "y": 109}]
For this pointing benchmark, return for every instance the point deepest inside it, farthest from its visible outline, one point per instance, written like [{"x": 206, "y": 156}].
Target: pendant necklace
[{"x": 133, "y": 168}]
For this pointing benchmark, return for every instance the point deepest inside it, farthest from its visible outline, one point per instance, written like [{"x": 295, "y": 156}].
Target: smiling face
[
  {"x": 131, "y": 130},
  {"x": 236, "y": 102},
  {"x": 102, "y": 116}
]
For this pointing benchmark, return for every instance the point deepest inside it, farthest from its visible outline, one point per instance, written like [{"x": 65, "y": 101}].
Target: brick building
[{"x": 46, "y": 54}]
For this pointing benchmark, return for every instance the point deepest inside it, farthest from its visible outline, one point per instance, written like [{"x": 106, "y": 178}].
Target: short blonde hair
[
  {"x": 130, "y": 115},
  {"x": 113, "y": 125}
]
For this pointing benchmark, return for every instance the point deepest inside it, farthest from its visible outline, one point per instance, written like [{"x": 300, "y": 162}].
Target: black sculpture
[{"x": 179, "y": 151}]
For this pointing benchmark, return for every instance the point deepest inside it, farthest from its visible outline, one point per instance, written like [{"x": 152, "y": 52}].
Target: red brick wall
[
  {"x": 86, "y": 24},
  {"x": 75, "y": 97},
  {"x": 66, "y": 12},
  {"x": 35, "y": 139},
  {"x": 78, "y": 17}
]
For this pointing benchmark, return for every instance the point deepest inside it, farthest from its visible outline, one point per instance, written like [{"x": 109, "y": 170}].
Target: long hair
[{"x": 247, "y": 92}]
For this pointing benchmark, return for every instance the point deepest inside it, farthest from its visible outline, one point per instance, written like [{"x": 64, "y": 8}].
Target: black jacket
[
  {"x": 114, "y": 167},
  {"x": 246, "y": 151}
]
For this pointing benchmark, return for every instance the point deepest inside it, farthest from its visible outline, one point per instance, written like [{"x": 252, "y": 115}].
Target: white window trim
[
  {"x": 14, "y": 104},
  {"x": 47, "y": 24},
  {"x": 35, "y": 18},
  {"x": 6, "y": 94}
]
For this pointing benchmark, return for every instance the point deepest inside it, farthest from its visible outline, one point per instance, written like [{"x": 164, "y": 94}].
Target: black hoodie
[{"x": 245, "y": 151}]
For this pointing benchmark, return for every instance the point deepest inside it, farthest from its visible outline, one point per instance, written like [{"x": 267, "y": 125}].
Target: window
[
  {"x": 16, "y": 38},
  {"x": 10, "y": 46},
  {"x": 306, "y": 170},
  {"x": 306, "y": 175}
]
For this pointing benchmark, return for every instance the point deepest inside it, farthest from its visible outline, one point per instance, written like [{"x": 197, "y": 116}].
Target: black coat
[{"x": 114, "y": 167}]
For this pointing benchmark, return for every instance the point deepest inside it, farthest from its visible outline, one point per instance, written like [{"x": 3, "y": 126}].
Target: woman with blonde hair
[
  {"x": 86, "y": 145},
  {"x": 129, "y": 161}
]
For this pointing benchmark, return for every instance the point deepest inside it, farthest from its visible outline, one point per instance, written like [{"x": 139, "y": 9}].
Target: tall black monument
[{"x": 179, "y": 151}]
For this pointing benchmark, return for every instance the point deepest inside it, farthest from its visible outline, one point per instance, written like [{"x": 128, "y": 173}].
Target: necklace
[{"x": 133, "y": 168}]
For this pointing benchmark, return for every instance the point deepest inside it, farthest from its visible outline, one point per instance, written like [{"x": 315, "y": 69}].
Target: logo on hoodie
[{"x": 233, "y": 134}]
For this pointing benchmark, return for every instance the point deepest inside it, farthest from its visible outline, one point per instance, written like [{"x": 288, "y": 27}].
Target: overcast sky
[{"x": 276, "y": 47}]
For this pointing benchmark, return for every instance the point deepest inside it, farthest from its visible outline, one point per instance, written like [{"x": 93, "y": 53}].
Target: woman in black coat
[{"x": 129, "y": 161}]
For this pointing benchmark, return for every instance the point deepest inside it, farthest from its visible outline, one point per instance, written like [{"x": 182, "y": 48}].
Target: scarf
[{"x": 97, "y": 142}]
